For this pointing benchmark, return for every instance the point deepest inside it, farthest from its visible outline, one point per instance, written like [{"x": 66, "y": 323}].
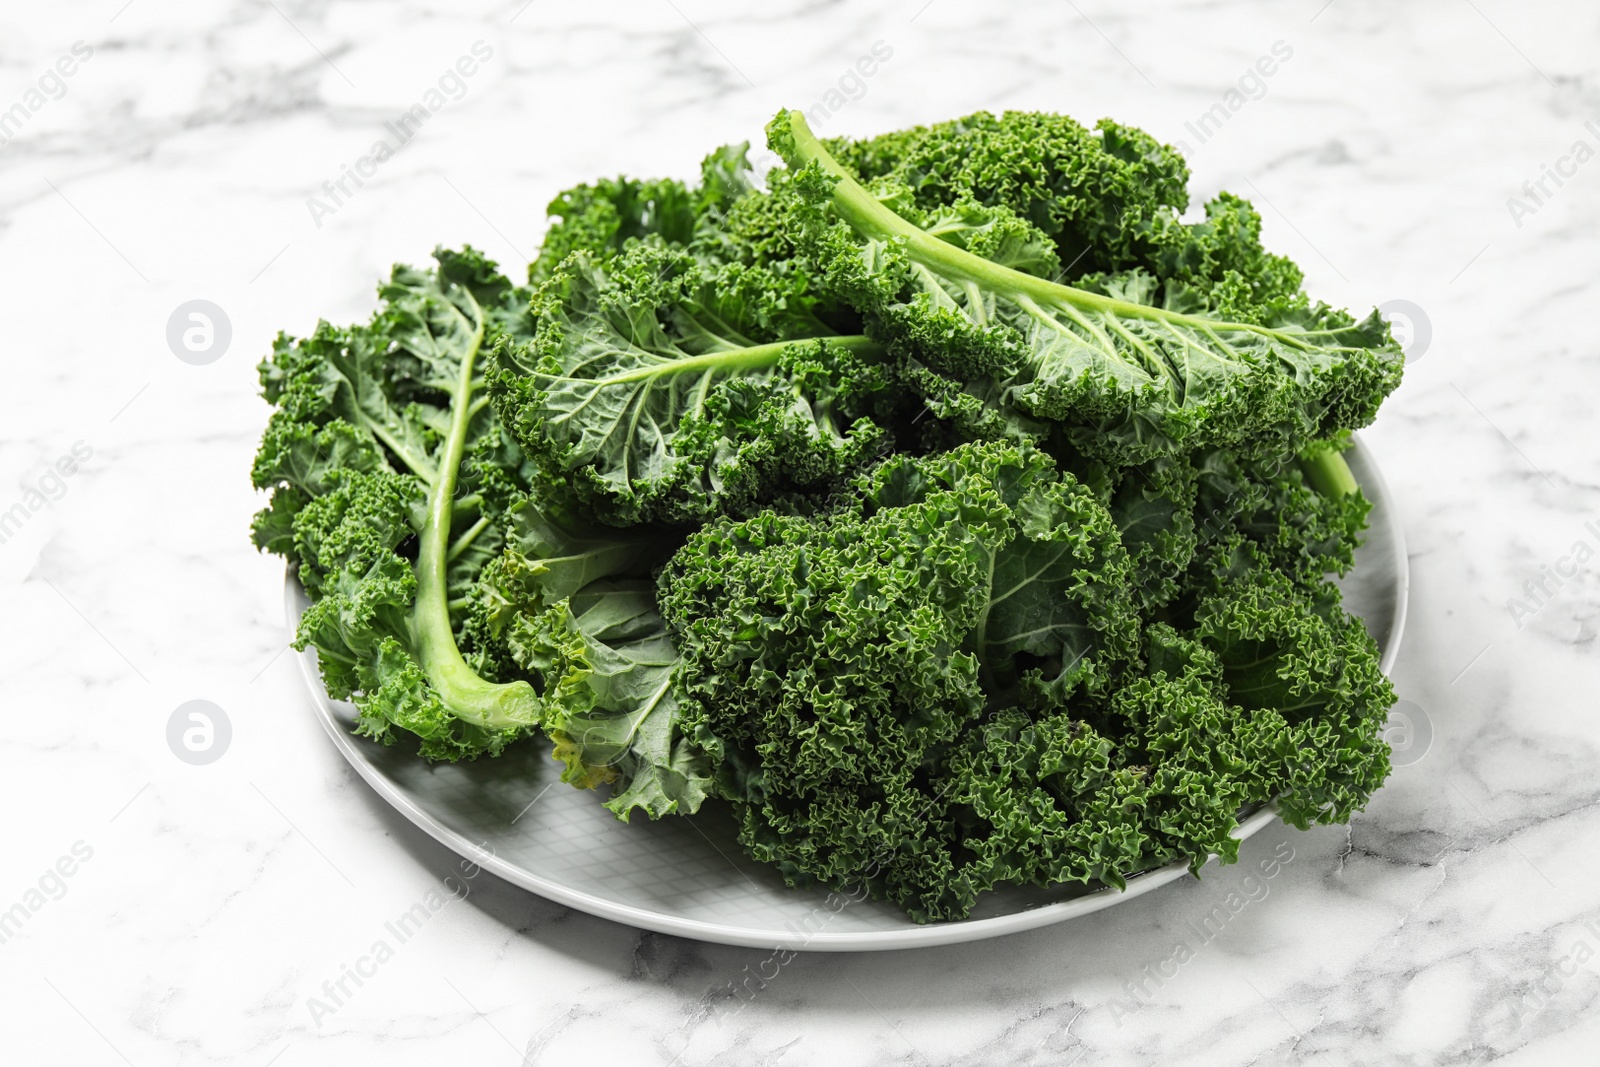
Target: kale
[{"x": 941, "y": 502}]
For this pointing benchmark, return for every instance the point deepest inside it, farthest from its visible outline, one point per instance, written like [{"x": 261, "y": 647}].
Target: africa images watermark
[
  {"x": 1140, "y": 990},
  {"x": 727, "y": 1001},
  {"x": 51, "y": 85},
  {"x": 1523, "y": 1006},
  {"x": 1537, "y": 191},
  {"x": 337, "y": 991},
  {"x": 51, "y": 885},
  {"x": 851, "y": 85},
  {"x": 719, "y": 1005},
  {"x": 451, "y": 86},
  {"x": 744, "y": 990},
  {"x": 1251, "y": 85},
  {"x": 46, "y": 489},
  {"x": 1540, "y": 591}
]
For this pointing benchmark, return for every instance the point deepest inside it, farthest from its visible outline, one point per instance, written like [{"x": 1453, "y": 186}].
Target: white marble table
[{"x": 177, "y": 914}]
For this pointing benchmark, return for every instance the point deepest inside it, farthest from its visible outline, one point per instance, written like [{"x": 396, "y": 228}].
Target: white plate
[{"x": 688, "y": 876}]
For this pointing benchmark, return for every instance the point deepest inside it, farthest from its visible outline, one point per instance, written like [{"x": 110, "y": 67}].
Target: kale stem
[
  {"x": 1329, "y": 474},
  {"x": 464, "y": 542},
  {"x": 466, "y": 695},
  {"x": 419, "y": 466},
  {"x": 756, "y": 356},
  {"x": 872, "y": 218}
]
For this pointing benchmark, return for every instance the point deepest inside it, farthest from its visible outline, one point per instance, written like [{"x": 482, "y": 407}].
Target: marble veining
[{"x": 158, "y": 912}]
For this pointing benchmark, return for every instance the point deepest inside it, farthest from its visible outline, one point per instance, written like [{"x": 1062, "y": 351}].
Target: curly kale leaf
[
  {"x": 829, "y": 660},
  {"x": 1273, "y": 694},
  {"x": 446, "y": 604},
  {"x": 945, "y": 686},
  {"x": 1091, "y": 193},
  {"x": 363, "y": 456},
  {"x": 1042, "y": 801},
  {"x": 1307, "y": 673},
  {"x": 1154, "y": 507},
  {"x": 573, "y": 607},
  {"x": 1286, "y": 506},
  {"x": 607, "y": 656},
  {"x": 660, "y": 389},
  {"x": 602, "y": 219},
  {"x": 1053, "y": 576},
  {"x": 1132, "y": 371},
  {"x": 1104, "y": 201}
]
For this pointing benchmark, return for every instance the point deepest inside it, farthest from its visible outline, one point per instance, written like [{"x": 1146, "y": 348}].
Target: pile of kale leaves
[{"x": 942, "y": 503}]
